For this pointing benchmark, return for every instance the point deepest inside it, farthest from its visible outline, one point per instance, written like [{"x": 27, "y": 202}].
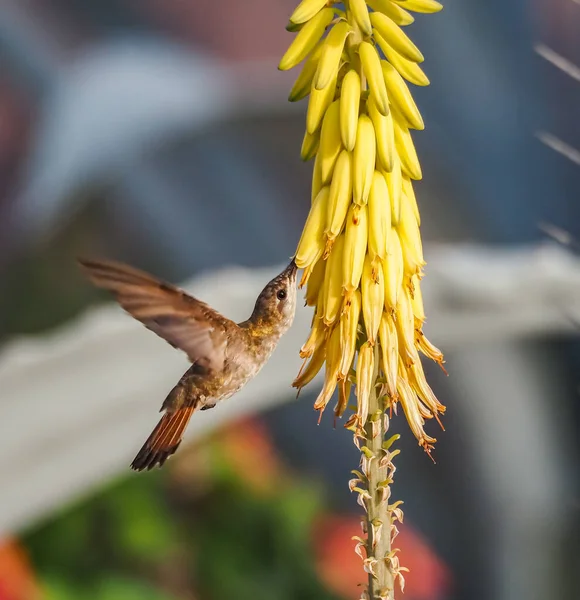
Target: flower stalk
[{"x": 361, "y": 250}]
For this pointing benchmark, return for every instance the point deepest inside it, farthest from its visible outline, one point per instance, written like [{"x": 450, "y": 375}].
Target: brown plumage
[{"x": 224, "y": 355}]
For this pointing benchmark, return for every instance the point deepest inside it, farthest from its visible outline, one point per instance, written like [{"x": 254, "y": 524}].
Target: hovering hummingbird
[{"x": 224, "y": 355}]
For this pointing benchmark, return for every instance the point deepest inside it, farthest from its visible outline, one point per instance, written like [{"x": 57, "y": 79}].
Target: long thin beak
[{"x": 291, "y": 269}]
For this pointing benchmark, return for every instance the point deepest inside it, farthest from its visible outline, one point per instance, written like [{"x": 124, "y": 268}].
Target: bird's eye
[{"x": 281, "y": 294}]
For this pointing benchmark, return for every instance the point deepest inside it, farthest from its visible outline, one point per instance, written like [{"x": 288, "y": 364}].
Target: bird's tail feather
[{"x": 164, "y": 440}]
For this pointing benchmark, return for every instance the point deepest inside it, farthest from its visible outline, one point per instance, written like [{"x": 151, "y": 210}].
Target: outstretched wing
[{"x": 183, "y": 321}]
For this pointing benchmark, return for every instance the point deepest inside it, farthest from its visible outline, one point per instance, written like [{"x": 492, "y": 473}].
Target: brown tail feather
[{"x": 164, "y": 440}]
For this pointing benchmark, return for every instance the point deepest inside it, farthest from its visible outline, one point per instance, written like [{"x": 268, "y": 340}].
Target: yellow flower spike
[
  {"x": 410, "y": 404},
  {"x": 373, "y": 298},
  {"x": 349, "y": 108},
  {"x": 331, "y": 374},
  {"x": 410, "y": 237},
  {"x": 397, "y": 14},
  {"x": 379, "y": 222},
  {"x": 311, "y": 244},
  {"x": 316, "y": 179},
  {"x": 310, "y": 368},
  {"x": 333, "y": 283},
  {"x": 371, "y": 64},
  {"x": 389, "y": 341},
  {"x": 303, "y": 83},
  {"x": 306, "y": 39},
  {"x": 394, "y": 36},
  {"x": 394, "y": 181},
  {"x": 409, "y": 192},
  {"x": 306, "y": 10},
  {"x": 348, "y": 333},
  {"x": 360, "y": 13},
  {"x": 318, "y": 103},
  {"x": 310, "y": 145},
  {"x": 365, "y": 380},
  {"x": 364, "y": 160},
  {"x": 421, "y": 6},
  {"x": 404, "y": 143},
  {"x": 385, "y": 136},
  {"x": 331, "y": 53},
  {"x": 330, "y": 142},
  {"x": 408, "y": 69},
  {"x": 355, "y": 247},
  {"x": 401, "y": 96},
  {"x": 314, "y": 282},
  {"x": 393, "y": 270},
  {"x": 361, "y": 249},
  {"x": 339, "y": 198}
]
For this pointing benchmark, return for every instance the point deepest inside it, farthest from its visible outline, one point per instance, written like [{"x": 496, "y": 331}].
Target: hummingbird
[{"x": 225, "y": 355}]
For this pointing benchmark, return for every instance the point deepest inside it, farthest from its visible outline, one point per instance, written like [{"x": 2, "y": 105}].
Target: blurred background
[{"x": 157, "y": 132}]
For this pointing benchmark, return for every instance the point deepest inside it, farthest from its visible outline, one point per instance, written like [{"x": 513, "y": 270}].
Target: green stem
[{"x": 377, "y": 468}]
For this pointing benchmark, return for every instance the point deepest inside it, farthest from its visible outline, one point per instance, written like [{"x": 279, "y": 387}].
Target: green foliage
[{"x": 144, "y": 534}]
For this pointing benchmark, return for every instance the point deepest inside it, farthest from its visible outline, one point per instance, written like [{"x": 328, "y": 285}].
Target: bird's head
[{"x": 276, "y": 304}]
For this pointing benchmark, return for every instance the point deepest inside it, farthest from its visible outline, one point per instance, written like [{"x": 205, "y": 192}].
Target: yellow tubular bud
[
  {"x": 348, "y": 333},
  {"x": 316, "y": 179},
  {"x": 349, "y": 108},
  {"x": 316, "y": 337},
  {"x": 428, "y": 349},
  {"x": 385, "y": 136},
  {"x": 306, "y": 10},
  {"x": 306, "y": 39},
  {"x": 333, "y": 283},
  {"x": 314, "y": 284},
  {"x": 419, "y": 384},
  {"x": 330, "y": 142},
  {"x": 410, "y": 404},
  {"x": 394, "y": 181},
  {"x": 389, "y": 353},
  {"x": 417, "y": 300},
  {"x": 393, "y": 35},
  {"x": 406, "y": 329},
  {"x": 293, "y": 27},
  {"x": 371, "y": 64},
  {"x": 331, "y": 52},
  {"x": 406, "y": 148},
  {"x": 311, "y": 244},
  {"x": 318, "y": 103},
  {"x": 360, "y": 13},
  {"x": 355, "y": 247},
  {"x": 310, "y": 368},
  {"x": 421, "y": 6},
  {"x": 303, "y": 83},
  {"x": 364, "y": 381},
  {"x": 344, "y": 387},
  {"x": 339, "y": 198},
  {"x": 332, "y": 362},
  {"x": 379, "y": 222},
  {"x": 410, "y": 237},
  {"x": 401, "y": 96},
  {"x": 373, "y": 299},
  {"x": 410, "y": 70},
  {"x": 310, "y": 145},
  {"x": 409, "y": 192},
  {"x": 393, "y": 11},
  {"x": 393, "y": 270},
  {"x": 364, "y": 159}
]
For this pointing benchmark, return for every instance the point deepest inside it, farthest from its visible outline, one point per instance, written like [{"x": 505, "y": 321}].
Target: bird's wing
[{"x": 185, "y": 322}]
